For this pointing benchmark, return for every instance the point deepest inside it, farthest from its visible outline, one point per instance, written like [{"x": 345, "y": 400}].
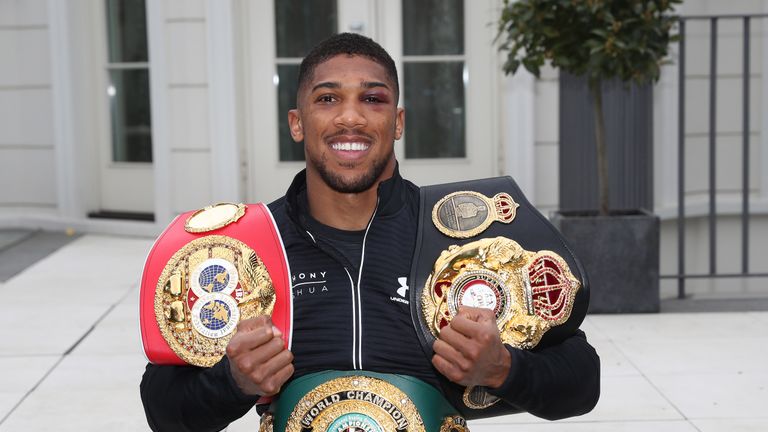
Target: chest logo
[{"x": 403, "y": 286}]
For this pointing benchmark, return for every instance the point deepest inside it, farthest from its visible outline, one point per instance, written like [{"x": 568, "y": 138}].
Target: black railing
[{"x": 681, "y": 275}]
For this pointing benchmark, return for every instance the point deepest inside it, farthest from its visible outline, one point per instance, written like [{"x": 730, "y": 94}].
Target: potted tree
[{"x": 600, "y": 40}]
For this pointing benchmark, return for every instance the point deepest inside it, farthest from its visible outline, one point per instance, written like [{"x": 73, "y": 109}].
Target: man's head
[
  {"x": 347, "y": 114},
  {"x": 349, "y": 44}
]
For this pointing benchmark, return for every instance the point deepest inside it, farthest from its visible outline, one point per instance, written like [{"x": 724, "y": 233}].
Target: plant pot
[{"x": 620, "y": 254}]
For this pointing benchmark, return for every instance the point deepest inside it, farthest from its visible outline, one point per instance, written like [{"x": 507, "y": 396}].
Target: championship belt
[
  {"x": 207, "y": 271},
  {"x": 482, "y": 244},
  {"x": 361, "y": 401}
]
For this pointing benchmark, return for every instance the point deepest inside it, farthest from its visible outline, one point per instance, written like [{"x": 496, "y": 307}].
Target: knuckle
[
  {"x": 244, "y": 364},
  {"x": 258, "y": 376}
]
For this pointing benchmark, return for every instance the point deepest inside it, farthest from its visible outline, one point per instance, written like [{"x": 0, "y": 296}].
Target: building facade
[{"x": 115, "y": 116}]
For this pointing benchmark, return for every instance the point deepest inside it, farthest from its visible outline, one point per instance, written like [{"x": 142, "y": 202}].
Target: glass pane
[
  {"x": 434, "y": 110},
  {"x": 127, "y": 31},
  {"x": 131, "y": 120},
  {"x": 286, "y": 100},
  {"x": 433, "y": 27},
  {"x": 301, "y": 24}
]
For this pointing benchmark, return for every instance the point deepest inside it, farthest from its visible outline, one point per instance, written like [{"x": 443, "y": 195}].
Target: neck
[
  {"x": 349, "y": 212},
  {"x": 344, "y": 211}
]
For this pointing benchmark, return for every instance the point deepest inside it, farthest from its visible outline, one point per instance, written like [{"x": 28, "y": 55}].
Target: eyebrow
[{"x": 337, "y": 85}]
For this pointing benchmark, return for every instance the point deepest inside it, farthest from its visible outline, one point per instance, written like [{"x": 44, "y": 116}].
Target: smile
[{"x": 350, "y": 146}]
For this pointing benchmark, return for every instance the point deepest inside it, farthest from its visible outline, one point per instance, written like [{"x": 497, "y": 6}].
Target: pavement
[{"x": 71, "y": 357}]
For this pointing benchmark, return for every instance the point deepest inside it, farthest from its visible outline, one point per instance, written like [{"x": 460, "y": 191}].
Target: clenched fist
[
  {"x": 469, "y": 350},
  {"x": 258, "y": 360}
]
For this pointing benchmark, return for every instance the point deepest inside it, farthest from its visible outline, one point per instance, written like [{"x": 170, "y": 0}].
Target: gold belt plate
[
  {"x": 205, "y": 289},
  {"x": 529, "y": 292},
  {"x": 355, "y": 403}
]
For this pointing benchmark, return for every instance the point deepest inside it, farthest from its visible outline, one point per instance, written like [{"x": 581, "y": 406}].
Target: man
[{"x": 352, "y": 219}]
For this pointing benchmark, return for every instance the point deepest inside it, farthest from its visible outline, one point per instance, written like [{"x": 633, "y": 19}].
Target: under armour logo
[{"x": 403, "y": 287}]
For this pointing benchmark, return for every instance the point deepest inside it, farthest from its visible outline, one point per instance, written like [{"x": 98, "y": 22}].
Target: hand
[
  {"x": 258, "y": 359},
  {"x": 469, "y": 350}
]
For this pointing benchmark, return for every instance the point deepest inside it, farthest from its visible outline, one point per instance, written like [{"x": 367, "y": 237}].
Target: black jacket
[{"x": 347, "y": 318}]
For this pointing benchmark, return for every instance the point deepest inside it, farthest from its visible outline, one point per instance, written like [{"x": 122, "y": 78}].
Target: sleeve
[
  {"x": 555, "y": 382},
  {"x": 188, "y": 398}
]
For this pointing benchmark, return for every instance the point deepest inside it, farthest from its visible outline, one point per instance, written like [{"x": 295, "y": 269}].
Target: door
[
  {"x": 447, "y": 65},
  {"x": 125, "y": 152}
]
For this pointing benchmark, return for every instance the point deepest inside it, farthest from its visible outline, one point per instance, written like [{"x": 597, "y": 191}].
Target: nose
[{"x": 350, "y": 116}]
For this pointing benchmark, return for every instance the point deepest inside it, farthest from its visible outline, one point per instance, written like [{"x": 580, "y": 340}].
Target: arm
[
  {"x": 186, "y": 398},
  {"x": 554, "y": 382}
]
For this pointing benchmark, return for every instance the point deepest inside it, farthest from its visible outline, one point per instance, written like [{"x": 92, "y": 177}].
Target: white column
[
  {"x": 665, "y": 135},
  {"x": 518, "y": 129},
  {"x": 158, "y": 88},
  {"x": 68, "y": 198},
  {"x": 763, "y": 128},
  {"x": 225, "y": 155}
]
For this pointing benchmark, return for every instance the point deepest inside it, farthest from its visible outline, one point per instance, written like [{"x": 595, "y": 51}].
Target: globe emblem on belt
[
  {"x": 214, "y": 275},
  {"x": 215, "y": 315},
  {"x": 214, "y": 278}
]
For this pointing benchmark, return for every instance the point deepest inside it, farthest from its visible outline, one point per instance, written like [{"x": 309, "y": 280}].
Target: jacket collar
[{"x": 391, "y": 192}]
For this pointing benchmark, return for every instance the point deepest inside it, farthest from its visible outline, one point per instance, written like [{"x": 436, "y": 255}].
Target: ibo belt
[{"x": 359, "y": 400}]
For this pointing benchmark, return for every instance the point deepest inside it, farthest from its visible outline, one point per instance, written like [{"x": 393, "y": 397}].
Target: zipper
[
  {"x": 359, "y": 278},
  {"x": 354, "y": 315},
  {"x": 357, "y": 311}
]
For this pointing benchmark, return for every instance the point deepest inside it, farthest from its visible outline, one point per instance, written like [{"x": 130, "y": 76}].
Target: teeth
[{"x": 350, "y": 146}]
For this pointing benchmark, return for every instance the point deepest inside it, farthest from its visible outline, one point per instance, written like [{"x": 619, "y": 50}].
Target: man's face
[{"x": 348, "y": 118}]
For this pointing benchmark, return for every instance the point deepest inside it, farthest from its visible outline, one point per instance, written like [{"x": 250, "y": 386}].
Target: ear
[
  {"x": 399, "y": 123},
  {"x": 294, "y": 122}
]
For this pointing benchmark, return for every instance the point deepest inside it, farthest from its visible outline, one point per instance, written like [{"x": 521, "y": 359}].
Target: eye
[
  {"x": 326, "y": 98},
  {"x": 374, "y": 99}
]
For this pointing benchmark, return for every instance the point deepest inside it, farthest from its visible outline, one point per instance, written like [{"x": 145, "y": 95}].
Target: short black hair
[{"x": 350, "y": 44}]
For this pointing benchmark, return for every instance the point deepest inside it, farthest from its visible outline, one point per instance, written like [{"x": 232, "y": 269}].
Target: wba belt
[
  {"x": 207, "y": 271},
  {"x": 482, "y": 244},
  {"x": 361, "y": 401}
]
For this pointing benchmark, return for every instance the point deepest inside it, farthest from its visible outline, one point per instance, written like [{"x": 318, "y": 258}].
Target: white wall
[
  {"x": 186, "y": 57},
  {"x": 27, "y": 168}
]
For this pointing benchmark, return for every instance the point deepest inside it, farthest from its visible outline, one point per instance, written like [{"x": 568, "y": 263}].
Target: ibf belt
[
  {"x": 361, "y": 401},
  {"x": 482, "y": 244},
  {"x": 206, "y": 272}
]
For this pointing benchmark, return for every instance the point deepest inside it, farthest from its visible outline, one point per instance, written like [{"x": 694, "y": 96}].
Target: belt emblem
[
  {"x": 529, "y": 292},
  {"x": 205, "y": 289},
  {"x": 466, "y": 214},
  {"x": 214, "y": 217},
  {"x": 355, "y": 403}
]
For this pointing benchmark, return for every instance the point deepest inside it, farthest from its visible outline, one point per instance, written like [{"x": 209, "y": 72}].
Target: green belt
[{"x": 346, "y": 390}]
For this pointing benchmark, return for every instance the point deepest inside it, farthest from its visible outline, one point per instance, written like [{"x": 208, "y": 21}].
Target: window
[
  {"x": 434, "y": 78},
  {"x": 299, "y": 25},
  {"x": 128, "y": 90}
]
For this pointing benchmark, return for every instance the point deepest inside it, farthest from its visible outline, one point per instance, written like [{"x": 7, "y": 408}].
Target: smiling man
[{"x": 351, "y": 220}]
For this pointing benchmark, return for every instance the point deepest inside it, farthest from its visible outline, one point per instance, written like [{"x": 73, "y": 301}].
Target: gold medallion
[
  {"x": 478, "y": 398},
  {"x": 205, "y": 289},
  {"x": 466, "y": 214},
  {"x": 355, "y": 403},
  {"x": 454, "y": 424},
  {"x": 267, "y": 422},
  {"x": 529, "y": 292},
  {"x": 214, "y": 217}
]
